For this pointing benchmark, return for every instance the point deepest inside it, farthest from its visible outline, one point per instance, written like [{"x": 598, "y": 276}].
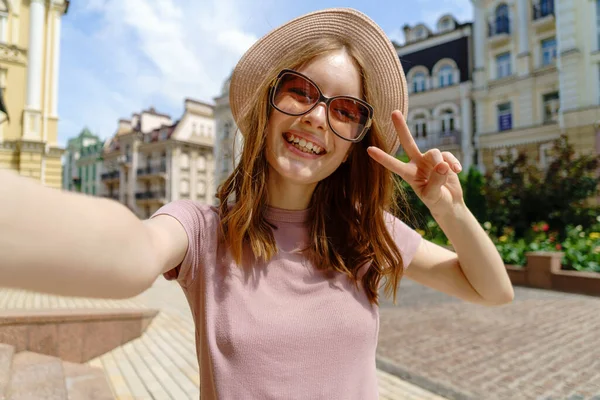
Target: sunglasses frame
[{"x": 322, "y": 99}]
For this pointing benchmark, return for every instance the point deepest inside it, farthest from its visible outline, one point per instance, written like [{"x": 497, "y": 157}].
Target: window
[
  {"x": 419, "y": 82},
  {"x": 3, "y": 27},
  {"x": 201, "y": 163},
  {"x": 185, "y": 187},
  {"x": 420, "y": 126},
  {"x": 501, "y": 20},
  {"x": 446, "y": 76},
  {"x": 546, "y": 156},
  {"x": 504, "y": 155},
  {"x": 503, "y": 66},
  {"x": 551, "y": 103},
  {"x": 447, "y": 121},
  {"x": 184, "y": 161},
  {"x": 504, "y": 116},
  {"x": 548, "y": 51},
  {"x": 598, "y": 23}
]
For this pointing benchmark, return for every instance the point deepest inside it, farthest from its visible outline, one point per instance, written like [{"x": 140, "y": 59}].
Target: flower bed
[{"x": 581, "y": 248}]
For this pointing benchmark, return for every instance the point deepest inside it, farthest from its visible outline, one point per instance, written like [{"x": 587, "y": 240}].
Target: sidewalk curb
[{"x": 390, "y": 367}]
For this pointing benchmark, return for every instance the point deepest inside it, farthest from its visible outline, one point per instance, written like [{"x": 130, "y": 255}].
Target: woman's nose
[{"x": 317, "y": 117}]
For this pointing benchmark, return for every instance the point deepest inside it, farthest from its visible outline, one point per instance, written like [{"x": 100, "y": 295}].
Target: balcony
[
  {"x": 151, "y": 196},
  {"x": 443, "y": 140},
  {"x": 543, "y": 14},
  {"x": 499, "y": 31},
  {"x": 150, "y": 171},
  {"x": 110, "y": 177}
]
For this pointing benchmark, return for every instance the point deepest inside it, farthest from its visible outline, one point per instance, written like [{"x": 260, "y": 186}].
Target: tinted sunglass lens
[{"x": 294, "y": 95}]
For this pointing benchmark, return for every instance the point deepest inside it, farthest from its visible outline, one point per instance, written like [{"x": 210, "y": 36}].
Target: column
[
  {"x": 32, "y": 117},
  {"x": 175, "y": 176},
  {"x": 524, "y": 55},
  {"x": 466, "y": 106},
  {"x": 194, "y": 175},
  {"x": 479, "y": 37},
  {"x": 55, "y": 62}
]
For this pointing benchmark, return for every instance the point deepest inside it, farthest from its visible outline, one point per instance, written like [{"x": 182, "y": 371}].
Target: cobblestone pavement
[
  {"x": 545, "y": 345},
  {"x": 162, "y": 363}
]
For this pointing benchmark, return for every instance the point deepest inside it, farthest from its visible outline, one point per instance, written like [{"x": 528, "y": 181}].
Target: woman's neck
[{"x": 287, "y": 195}]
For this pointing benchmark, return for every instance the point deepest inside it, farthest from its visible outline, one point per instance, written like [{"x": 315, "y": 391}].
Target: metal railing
[
  {"x": 148, "y": 170},
  {"x": 152, "y": 194},
  {"x": 450, "y": 138},
  {"x": 110, "y": 175}
]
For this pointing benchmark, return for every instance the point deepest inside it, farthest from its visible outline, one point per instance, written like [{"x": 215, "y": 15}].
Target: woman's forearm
[
  {"x": 477, "y": 255},
  {"x": 70, "y": 244}
]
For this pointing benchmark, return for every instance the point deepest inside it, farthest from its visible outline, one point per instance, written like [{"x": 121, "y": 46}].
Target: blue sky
[{"x": 121, "y": 56}]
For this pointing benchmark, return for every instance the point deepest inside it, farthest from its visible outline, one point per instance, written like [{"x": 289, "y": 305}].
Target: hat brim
[{"x": 366, "y": 36}]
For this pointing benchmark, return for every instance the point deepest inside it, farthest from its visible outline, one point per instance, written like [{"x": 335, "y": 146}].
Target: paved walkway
[
  {"x": 162, "y": 363},
  {"x": 545, "y": 345}
]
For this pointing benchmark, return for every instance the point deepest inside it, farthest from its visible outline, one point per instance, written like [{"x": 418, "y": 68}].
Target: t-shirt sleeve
[
  {"x": 193, "y": 217},
  {"x": 406, "y": 238}
]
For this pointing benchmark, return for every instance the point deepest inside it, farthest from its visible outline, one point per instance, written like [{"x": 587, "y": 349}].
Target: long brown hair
[{"x": 347, "y": 210}]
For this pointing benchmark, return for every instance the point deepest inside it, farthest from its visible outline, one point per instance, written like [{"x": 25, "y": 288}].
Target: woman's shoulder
[{"x": 191, "y": 213}]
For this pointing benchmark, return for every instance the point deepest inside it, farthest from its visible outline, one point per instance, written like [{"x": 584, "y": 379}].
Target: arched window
[
  {"x": 420, "y": 122},
  {"x": 446, "y": 76},
  {"x": 447, "y": 121},
  {"x": 501, "y": 19},
  {"x": 419, "y": 82},
  {"x": 184, "y": 160}
]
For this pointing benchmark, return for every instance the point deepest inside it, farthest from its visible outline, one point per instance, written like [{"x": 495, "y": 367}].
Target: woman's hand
[{"x": 432, "y": 175}]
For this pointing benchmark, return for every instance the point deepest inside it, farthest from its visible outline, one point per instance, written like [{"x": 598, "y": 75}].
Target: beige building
[
  {"x": 537, "y": 75},
  {"x": 29, "y": 69},
  {"x": 152, "y": 160},
  {"x": 228, "y": 140},
  {"x": 438, "y": 65}
]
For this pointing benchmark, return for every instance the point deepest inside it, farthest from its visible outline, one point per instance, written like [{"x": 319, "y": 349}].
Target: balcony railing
[
  {"x": 543, "y": 9},
  {"x": 450, "y": 138},
  {"x": 149, "y": 170},
  {"x": 110, "y": 175},
  {"x": 499, "y": 26},
  {"x": 149, "y": 195}
]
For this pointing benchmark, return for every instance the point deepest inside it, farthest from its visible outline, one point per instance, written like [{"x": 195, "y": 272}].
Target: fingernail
[
  {"x": 442, "y": 169},
  {"x": 457, "y": 167}
]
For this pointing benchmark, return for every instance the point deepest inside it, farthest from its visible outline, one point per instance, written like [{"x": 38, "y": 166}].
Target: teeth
[{"x": 304, "y": 145}]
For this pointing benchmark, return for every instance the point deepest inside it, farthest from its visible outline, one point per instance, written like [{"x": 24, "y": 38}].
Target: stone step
[
  {"x": 84, "y": 382},
  {"x": 36, "y": 377},
  {"x": 6, "y": 355},
  {"x": 32, "y": 376}
]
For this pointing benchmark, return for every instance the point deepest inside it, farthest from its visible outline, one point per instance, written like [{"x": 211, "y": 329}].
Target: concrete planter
[{"x": 543, "y": 271}]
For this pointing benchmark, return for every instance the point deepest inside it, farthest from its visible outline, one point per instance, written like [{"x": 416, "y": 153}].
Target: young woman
[{"x": 282, "y": 278}]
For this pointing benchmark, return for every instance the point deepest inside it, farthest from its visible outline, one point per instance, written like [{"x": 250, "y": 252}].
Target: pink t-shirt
[{"x": 281, "y": 329}]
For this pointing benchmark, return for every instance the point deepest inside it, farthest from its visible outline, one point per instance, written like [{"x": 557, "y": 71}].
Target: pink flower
[
  {"x": 535, "y": 229},
  {"x": 545, "y": 227},
  {"x": 558, "y": 246}
]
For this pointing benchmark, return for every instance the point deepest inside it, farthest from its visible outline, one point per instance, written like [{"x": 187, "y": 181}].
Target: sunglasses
[{"x": 295, "y": 94}]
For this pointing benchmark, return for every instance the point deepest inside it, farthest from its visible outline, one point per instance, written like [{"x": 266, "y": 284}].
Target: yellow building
[
  {"x": 29, "y": 68},
  {"x": 536, "y": 76}
]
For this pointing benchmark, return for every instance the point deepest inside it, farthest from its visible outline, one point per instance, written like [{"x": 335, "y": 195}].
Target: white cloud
[{"x": 122, "y": 56}]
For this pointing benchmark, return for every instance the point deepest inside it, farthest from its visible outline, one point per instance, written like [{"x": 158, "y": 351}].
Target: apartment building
[
  {"x": 228, "y": 140},
  {"x": 80, "y": 161},
  {"x": 152, "y": 160},
  {"x": 438, "y": 63},
  {"x": 536, "y": 76},
  {"x": 29, "y": 70}
]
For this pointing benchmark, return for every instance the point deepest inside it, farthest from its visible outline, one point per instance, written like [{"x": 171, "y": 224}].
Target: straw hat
[{"x": 368, "y": 38}]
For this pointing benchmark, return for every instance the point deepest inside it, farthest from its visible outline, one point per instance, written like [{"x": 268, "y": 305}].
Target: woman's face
[{"x": 335, "y": 74}]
